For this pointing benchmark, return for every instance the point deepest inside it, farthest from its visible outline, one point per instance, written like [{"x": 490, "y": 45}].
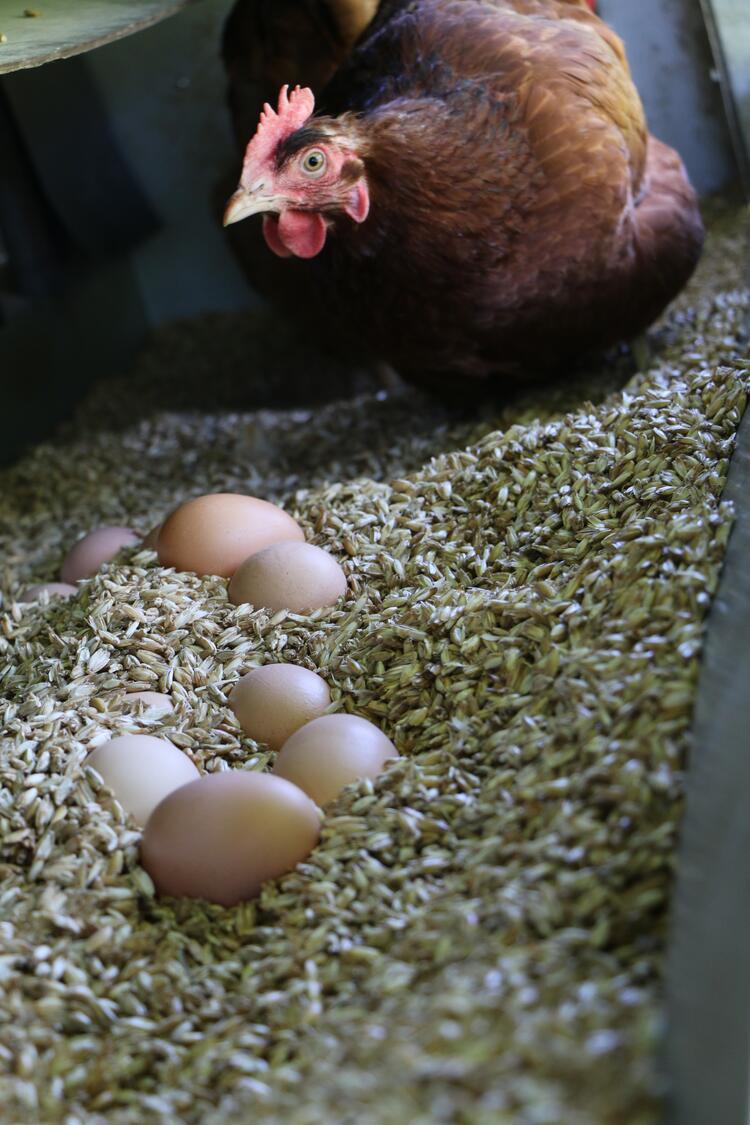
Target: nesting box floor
[{"x": 479, "y": 935}]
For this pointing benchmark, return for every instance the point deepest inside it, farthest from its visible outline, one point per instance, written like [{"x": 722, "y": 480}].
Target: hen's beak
[{"x": 246, "y": 202}]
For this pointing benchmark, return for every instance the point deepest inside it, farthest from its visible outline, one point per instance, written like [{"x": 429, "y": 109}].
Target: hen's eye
[{"x": 314, "y": 162}]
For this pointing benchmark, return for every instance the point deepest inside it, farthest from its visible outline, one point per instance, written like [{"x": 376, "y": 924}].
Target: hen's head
[{"x": 299, "y": 174}]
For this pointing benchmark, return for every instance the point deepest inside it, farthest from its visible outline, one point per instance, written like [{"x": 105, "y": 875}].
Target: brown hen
[{"x": 478, "y": 194}]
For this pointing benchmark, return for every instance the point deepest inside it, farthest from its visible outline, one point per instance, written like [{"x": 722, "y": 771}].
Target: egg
[
  {"x": 153, "y": 702},
  {"x": 274, "y": 701},
  {"x": 94, "y": 549},
  {"x": 295, "y": 576},
  {"x": 54, "y": 590},
  {"x": 325, "y": 755},
  {"x": 220, "y": 838},
  {"x": 213, "y": 534},
  {"x": 141, "y": 771}
]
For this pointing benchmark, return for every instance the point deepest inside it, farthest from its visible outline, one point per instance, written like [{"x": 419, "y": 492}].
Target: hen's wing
[{"x": 267, "y": 43}]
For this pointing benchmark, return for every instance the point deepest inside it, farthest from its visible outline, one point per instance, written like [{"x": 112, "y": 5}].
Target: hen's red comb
[{"x": 292, "y": 111}]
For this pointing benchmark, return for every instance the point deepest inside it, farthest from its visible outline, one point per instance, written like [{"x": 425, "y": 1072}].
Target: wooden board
[{"x": 67, "y": 27}]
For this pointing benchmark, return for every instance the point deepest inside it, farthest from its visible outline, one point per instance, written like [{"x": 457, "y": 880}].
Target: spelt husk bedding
[{"x": 479, "y": 935}]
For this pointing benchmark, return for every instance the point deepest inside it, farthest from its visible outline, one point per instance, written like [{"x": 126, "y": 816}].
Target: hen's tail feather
[
  {"x": 267, "y": 43},
  {"x": 351, "y": 17},
  {"x": 669, "y": 230}
]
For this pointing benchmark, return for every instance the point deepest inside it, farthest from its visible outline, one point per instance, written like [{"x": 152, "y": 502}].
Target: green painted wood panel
[{"x": 67, "y": 27}]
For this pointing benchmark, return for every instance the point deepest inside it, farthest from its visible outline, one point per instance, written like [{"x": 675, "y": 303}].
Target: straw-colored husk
[{"x": 479, "y": 935}]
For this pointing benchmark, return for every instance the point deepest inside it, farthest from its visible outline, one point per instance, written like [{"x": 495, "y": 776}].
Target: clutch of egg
[{"x": 220, "y": 836}]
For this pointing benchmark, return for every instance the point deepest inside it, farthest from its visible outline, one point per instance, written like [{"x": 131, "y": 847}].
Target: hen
[{"x": 479, "y": 193}]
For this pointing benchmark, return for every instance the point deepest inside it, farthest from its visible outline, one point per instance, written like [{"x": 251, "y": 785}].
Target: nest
[{"x": 479, "y": 935}]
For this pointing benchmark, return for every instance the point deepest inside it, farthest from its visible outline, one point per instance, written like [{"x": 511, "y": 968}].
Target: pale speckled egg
[
  {"x": 213, "y": 534},
  {"x": 221, "y": 838},
  {"x": 54, "y": 590},
  {"x": 294, "y": 576},
  {"x": 141, "y": 771},
  {"x": 94, "y": 549},
  {"x": 274, "y": 701},
  {"x": 325, "y": 755},
  {"x": 154, "y": 703}
]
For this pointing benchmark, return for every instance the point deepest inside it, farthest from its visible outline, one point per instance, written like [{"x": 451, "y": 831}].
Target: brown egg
[
  {"x": 223, "y": 836},
  {"x": 295, "y": 576},
  {"x": 153, "y": 702},
  {"x": 54, "y": 590},
  {"x": 213, "y": 534},
  {"x": 141, "y": 771},
  {"x": 96, "y": 548},
  {"x": 274, "y": 701},
  {"x": 326, "y": 754}
]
